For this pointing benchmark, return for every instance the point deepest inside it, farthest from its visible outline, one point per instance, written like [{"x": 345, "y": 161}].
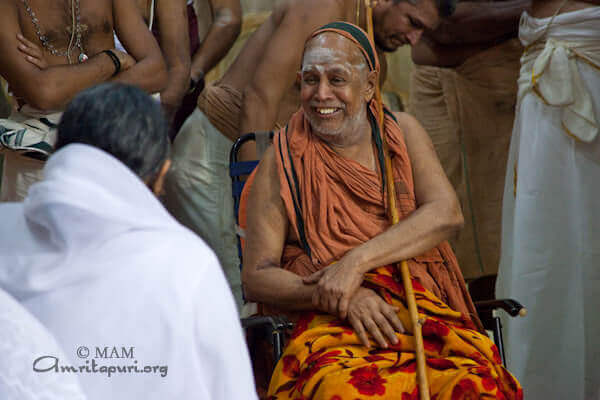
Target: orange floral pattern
[{"x": 325, "y": 359}]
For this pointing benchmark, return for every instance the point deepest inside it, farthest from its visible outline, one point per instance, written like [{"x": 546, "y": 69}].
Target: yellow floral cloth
[{"x": 325, "y": 359}]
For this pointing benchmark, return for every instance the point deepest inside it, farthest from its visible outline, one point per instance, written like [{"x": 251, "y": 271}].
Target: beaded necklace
[{"x": 76, "y": 33}]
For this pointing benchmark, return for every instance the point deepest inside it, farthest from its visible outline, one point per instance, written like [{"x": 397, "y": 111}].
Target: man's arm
[
  {"x": 437, "y": 217},
  {"x": 226, "y": 27},
  {"x": 175, "y": 46},
  {"x": 53, "y": 87},
  {"x": 472, "y": 28},
  {"x": 282, "y": 58},
  {"x": 429, "y": 52},
  {"x": 263, "y": 278},
  {"x": 475, "y": 22},
  {"x": 149, "y": 72}
]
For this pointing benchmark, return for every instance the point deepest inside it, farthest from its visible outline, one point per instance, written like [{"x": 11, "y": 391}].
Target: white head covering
[{"x": 95, "y": 256}]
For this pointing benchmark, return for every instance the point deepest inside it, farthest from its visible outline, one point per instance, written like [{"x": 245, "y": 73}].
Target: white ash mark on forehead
[{"x": 316, "y": 57}]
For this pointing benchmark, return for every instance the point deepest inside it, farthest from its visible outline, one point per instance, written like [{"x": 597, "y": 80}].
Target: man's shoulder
[{"x": 404, "y": 119}]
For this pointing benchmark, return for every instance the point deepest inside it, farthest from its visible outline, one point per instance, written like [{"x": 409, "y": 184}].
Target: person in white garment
[
  {"x": 24, "y": 343},
  {"x": 138, "y": 302},
  {"x": 550, "y": 257}
]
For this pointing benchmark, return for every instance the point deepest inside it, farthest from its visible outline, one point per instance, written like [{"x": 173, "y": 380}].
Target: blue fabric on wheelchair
[{"x": 242, "y": 168}]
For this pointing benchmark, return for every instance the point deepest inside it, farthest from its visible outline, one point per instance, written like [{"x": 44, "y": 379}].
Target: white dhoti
[
  {"x": 550, "y": 258},
  {"x": 198, "y": 192}
]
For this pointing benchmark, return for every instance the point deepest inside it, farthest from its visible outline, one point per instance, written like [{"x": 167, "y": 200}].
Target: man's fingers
[
  {"x": 343, "y": 306},
  {"x": 386, "y": 328},
  {"x": 314, "y": 278},
  {"x": 30, "y": 52},
  {"x": 333, "y": 305},
  {"x": 315, "y": 299},
  {"x": 35, "y": 62},
  {"x": 375, "y": 332},
  {"x": 359, "y": 329},
  {"x": 392, "y": 317},
  {"x": 323, "y": 301},
  {"x": 26, "y": 42}
]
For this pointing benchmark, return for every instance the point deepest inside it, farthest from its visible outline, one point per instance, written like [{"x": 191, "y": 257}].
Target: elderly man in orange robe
[{"x": 320, "y": 247}]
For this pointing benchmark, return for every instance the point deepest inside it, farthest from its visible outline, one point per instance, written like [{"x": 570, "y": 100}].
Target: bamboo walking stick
[{"x": 406, "y": 279}]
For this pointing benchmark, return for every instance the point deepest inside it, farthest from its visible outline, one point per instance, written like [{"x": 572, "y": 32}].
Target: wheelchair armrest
[
  {"x": 275, "y": 325},
  {"x": 512, "y": 307},
  {"x": 274, "y": 322}
]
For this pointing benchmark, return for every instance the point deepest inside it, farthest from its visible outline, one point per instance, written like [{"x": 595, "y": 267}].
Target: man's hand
[
  {"x": 369, "y": 313},
  {"x": 32, "y": 52},
  {"x": 336, "y": 285}
]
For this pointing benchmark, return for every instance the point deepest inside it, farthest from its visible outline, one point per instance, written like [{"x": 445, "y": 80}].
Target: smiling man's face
[
  {"x": 335, "y": 87},
  {"x": 396, "y": 24}
]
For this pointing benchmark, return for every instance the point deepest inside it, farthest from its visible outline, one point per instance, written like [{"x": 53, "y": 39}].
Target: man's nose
[
  {"x": 324, "y": 90},
  {"x": 414, "y": 36}
]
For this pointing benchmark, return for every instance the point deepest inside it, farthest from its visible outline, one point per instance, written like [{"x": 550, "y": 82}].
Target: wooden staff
[{"x": 406, "y": 279}]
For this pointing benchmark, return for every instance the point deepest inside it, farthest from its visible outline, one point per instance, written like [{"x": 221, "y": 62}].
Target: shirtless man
[
  {"x": 69, "y": 31},
  {"x": 259, "y": 91},
  {"x": 463, "y": 91}
]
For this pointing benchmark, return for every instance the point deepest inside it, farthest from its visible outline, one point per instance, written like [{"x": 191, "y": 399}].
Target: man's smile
[{"x": 327, "y": 112}]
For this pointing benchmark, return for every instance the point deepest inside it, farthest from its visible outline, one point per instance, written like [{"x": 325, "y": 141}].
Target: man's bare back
[
  {"x": 265, "y": 70},
  {"x": 300, "y": 13}
]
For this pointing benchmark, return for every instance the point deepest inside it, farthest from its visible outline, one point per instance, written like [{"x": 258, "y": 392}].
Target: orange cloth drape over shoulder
[{"x": 344, "y": 206}]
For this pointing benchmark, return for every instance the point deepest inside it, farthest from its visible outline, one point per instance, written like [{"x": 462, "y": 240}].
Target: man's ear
[
  {"x": 298, "y": 77},
  {"x": 159, "y": 182},
  {"x": 372, "y": 82}
]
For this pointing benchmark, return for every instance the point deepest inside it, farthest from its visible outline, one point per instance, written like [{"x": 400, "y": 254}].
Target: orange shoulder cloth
[{"x": 334, "y": 204}]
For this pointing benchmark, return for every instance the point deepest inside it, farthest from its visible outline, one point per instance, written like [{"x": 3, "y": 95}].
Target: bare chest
[{"x": 59, "y": 26}]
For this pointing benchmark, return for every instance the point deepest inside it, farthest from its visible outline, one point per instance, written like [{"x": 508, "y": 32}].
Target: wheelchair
[{"x": 275, "y": 327}]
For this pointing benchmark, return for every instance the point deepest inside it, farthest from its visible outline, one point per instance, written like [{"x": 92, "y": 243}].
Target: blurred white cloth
[
  {"x": 23, "y": 339},
  {"x": 551, "y": 226},
  {"x": 97, "y": 259}
]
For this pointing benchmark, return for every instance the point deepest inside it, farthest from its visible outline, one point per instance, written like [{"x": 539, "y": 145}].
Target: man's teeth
[{"x": 326, "y": 110}]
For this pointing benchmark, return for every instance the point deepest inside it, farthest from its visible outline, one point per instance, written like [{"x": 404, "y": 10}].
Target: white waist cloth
[
  {"x": 549, "y": 67},
  {"x": 550, "y": 253}
]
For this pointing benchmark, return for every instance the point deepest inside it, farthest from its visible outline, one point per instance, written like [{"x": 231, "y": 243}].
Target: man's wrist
[
  {"x": 357, "y": 260},
  {"x": 115, "y": 60}
]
